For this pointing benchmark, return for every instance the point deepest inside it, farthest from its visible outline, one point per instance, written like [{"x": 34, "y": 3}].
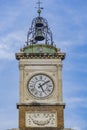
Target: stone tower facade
[{"x": 41, "y": 105}]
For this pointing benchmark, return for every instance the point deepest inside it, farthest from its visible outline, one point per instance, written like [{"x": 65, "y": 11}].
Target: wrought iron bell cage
[{"x": 39, "y": 31}]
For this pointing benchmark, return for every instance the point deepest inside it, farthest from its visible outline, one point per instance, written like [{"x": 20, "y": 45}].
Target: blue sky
[{"x": 68, "y": 22}]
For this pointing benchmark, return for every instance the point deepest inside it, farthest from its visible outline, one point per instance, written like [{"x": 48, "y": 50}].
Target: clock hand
[
  {"x": 45, "y": 83},
  {"x": 40, "y": 86}
]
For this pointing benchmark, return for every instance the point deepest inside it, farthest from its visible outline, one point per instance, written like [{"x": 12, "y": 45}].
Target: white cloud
[
  {"x": 8, "y": 122},
  {"x": 74, "y": 121},
  {"x": 76, "y": 102},
  {"x": 4, "y": 54},
  {"x": 9, "y": 16},
  {"x": 68, "y": 25},
  {"x": 10, "y": 43}
]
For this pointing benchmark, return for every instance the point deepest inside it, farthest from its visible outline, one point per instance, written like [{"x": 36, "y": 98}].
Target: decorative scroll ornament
[
  {"x": 41, "y": 122},
  {"x": 39, "y": 119}
]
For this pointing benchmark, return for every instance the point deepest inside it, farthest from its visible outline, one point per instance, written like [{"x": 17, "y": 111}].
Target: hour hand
[{"x": 40, "y": 86}]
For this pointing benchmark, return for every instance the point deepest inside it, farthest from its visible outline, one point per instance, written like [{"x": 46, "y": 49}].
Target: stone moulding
[
  {"x": 42, "y": 129},
  {"x": 40, "y": 55},
  {"x": 39, "y": 104}
]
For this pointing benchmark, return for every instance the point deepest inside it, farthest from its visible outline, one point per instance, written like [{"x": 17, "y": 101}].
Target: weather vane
[{"x": 39, "y": 7}]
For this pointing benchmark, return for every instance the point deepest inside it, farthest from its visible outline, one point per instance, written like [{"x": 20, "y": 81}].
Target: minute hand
[{"x": 45, "y": 83}]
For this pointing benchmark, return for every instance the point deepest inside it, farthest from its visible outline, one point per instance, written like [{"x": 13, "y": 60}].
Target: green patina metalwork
[{"x": 39, "y": 48}]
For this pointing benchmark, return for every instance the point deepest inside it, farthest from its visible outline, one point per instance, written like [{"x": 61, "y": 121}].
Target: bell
[
  {"x": 39, "y": 23},
  {"x": 39, "y": 35}
]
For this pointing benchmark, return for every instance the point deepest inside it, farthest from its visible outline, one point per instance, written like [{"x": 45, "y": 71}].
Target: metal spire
[{"x": 39, "y": 7}]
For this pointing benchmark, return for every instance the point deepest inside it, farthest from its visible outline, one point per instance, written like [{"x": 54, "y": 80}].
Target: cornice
[
  {"x": 40, "y": 104},
  {"x": 40, "y": 56}
]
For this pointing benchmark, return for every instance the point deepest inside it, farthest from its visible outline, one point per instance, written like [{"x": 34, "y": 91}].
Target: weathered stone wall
[{"x": 24, "y": 109}]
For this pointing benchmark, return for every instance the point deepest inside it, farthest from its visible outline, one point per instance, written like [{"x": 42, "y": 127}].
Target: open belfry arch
[{"x": 41, "y": 105}]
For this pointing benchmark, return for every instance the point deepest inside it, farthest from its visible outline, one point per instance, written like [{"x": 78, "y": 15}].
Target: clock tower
[{"x": 41, "y": 104}]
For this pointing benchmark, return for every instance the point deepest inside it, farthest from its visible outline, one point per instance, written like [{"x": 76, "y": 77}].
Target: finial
[{"x": 39, "y": 7}]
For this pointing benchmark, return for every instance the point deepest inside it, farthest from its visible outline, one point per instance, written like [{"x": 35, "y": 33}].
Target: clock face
[{"x": 40, "y": 85}]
